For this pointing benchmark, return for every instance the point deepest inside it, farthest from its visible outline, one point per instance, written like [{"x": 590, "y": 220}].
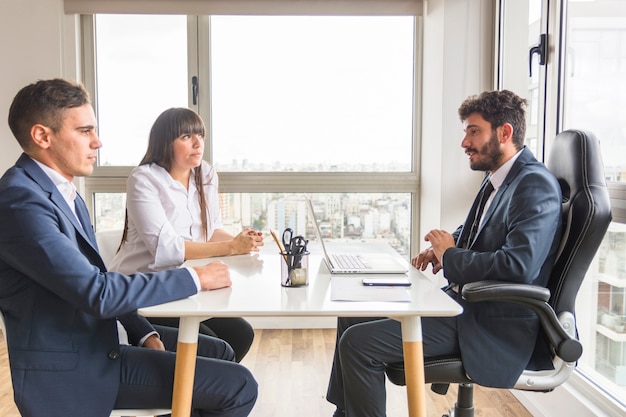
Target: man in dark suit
[
  {"x": 59, "y": 303},
  {"x": 513, "y": 238}
]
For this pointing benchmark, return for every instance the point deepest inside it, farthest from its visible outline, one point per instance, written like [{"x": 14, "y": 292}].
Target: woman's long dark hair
[{"x": 170, "y": 125}]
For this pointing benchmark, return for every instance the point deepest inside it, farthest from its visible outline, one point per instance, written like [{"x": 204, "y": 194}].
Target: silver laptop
[{"x": 353, "y": 263}]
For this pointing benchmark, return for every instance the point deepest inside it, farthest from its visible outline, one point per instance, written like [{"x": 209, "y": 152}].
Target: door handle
[
  {"x": 541, "y": 49},
  {"x": 194, "y": 90}
]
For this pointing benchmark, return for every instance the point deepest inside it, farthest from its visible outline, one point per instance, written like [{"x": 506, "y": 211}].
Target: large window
[{"x": 292, "y": 104}]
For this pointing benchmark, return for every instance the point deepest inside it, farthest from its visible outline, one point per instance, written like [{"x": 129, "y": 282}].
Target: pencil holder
[{"x": 294, "y": 269}]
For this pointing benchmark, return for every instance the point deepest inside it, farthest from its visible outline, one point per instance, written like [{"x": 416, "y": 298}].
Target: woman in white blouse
[{"x": 173, "y": 214}]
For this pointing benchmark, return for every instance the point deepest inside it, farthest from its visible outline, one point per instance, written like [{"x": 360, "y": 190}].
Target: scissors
[
  {"x": 294, "y": 246},
  {"x": 287, "y": 237},
  {"x": 292, "y": 243}
]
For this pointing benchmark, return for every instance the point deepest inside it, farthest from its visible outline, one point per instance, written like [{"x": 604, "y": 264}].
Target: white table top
[{"x": 256, "y": 291}]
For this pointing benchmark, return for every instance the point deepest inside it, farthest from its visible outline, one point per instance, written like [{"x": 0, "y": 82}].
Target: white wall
[
  {"x": 35, "y": 41},
  {"x": 458, "y": 56}
]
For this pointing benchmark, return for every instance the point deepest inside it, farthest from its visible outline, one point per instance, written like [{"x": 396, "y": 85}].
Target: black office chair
[{"x": 576, "y": 162}]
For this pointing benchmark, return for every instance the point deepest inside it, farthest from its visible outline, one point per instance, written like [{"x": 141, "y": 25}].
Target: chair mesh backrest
[{"x": 576, "y": 162}]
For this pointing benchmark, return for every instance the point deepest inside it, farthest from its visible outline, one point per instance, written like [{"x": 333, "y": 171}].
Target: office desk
[{"x": 256, "y": 291}]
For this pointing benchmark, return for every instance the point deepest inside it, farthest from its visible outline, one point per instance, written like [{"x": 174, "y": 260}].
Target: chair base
[{"x": 464, "y": 406}]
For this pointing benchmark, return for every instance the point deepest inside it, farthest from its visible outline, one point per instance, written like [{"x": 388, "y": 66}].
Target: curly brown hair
[{"x": 498, "y": 108}]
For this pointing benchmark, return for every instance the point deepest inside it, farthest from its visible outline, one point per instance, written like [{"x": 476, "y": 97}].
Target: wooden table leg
[
  {"x": 414, "y": 365},
  {"x": 184, "y": 374}
]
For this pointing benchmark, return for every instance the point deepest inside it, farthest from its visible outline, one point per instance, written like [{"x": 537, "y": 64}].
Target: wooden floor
[{"x": 292, "y": 368}]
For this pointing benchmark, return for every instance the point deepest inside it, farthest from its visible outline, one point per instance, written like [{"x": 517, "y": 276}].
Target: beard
[{"x": 489, "y": 155}]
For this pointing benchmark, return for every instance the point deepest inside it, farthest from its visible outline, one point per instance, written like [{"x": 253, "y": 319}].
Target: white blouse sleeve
[
  {"x": 211, "y": 181},
  {"x": 145, "y": 202}
]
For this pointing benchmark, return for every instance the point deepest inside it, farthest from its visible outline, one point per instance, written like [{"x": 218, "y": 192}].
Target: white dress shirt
[
  {"x": 497, "y": 178},
  {"x": 66, "y": 188},
  {"x": 162, "y": 215}
]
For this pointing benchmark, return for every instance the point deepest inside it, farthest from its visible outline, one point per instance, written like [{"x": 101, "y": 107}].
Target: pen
[{"x": 282, "y": 250}]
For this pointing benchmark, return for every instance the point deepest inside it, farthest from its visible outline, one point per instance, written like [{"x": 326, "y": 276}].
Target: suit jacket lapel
[
  {"x": 522, "y": 160},
  {"x": 46, "y": 184}
]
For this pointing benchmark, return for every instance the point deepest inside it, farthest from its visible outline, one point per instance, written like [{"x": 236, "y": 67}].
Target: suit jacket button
[{"x": 114, "y": 355}]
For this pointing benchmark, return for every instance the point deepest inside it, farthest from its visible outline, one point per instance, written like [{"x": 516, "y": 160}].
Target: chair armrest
[
  {"x": 534, "y": 297},
  {"x": 497, "y": 290}
]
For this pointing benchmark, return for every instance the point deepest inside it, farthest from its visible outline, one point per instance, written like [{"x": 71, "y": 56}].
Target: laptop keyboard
[{"x": 347, "y": 261}]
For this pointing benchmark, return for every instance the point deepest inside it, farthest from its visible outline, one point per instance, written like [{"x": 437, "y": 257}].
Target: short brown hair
[{"x": 43, "y": 102}]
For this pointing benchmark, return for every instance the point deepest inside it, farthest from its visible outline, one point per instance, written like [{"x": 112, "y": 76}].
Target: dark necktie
[
  {"x": 83, "y": 215},
  {"x": 484, "y": 196}
]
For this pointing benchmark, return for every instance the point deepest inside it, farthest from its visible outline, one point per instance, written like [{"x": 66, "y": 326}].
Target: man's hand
[
  {"x": 153, "y": 342},
  {"x": 425, "y": 258},
  {"x": 247, "y": 241},
  {"x": 440, "y": 241},
  {"x": 214, "y": 275}
]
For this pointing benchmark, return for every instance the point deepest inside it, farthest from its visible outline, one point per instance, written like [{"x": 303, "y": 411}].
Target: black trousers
[
  {"x": 221, "y": 387},
  {"x": 364, "y": 346},
  {"x": 237, "y": 332}
]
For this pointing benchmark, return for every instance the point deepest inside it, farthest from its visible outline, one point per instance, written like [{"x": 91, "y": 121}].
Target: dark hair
[
  {"x": 170, "y": 125},
  {"x": 498, "y": 108},
  {"x": 43, "y": 102}
]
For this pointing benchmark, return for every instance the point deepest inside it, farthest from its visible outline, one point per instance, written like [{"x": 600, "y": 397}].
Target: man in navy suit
[
  {"x": 514, "y": 238},
  {"x": 60, "y": 305}
]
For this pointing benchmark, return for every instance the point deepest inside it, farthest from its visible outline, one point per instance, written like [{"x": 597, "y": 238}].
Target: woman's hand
[
  {"x": 249, "y": 240},
  {"x": 223, "y": 243}
]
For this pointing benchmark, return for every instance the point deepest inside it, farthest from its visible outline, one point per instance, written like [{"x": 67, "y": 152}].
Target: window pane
[
  {"x": 141, "y": 66},
  {"x": 109, "y": 211},
  {"x": 601, "y": 312},
  {"x": 518, "y": 36},
  {"x": 302, "y": 93},
  {"x": 342, "y": 217},
  {"x": 595, "y": 91}
]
